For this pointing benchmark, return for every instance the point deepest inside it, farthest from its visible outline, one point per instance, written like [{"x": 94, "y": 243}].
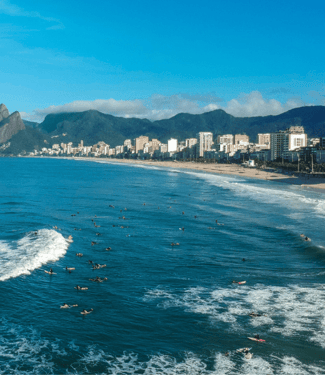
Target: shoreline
[{"x": 315, "y": 184}]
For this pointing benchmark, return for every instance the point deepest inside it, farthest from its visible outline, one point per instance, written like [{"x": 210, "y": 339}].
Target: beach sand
[{"x": 227, "y": 169}]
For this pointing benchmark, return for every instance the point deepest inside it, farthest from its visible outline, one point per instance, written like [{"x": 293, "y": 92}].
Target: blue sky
[{"x": 155, "y": 59}]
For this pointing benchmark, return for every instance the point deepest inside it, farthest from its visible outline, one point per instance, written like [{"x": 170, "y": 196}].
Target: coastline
[{"x": 315, "y": 184}]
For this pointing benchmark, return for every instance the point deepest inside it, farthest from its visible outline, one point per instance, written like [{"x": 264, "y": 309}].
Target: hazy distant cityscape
[{"x": 291, "y": 144}]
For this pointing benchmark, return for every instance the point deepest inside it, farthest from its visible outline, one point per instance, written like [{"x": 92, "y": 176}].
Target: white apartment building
[
  {"x": 287, "y": 140},
  {"x": 205, "y": 142},
  {"x": 172, "y": 145}
]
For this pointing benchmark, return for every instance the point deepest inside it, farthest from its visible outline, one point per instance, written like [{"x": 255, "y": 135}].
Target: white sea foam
[
  {"x": 31, "y": 252},
  {"x": 296, "y": 200},
  {"x": 25, "y": 351},
  {"x": 290, "y": 311}
]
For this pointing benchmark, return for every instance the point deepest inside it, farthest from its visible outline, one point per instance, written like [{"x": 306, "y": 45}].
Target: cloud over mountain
[{"x": 159, "y": 107}]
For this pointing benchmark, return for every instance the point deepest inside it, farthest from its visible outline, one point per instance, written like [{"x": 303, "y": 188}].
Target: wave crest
[{"x": 31, "y": 252}]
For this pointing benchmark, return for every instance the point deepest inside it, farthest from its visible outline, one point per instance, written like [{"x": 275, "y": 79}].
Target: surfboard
[
  {"x": 69, "y": 269},
  {"x": 85, "y": 313},
  {"x": 241, "y": 282},
  {"x": 50, "y": 273},
  {"x": 254, "y": 339}
]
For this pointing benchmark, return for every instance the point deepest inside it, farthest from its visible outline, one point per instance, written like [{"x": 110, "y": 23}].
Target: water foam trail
[
  {"x": 31, "y": 252},
  {"x": 290, "y": 310}
]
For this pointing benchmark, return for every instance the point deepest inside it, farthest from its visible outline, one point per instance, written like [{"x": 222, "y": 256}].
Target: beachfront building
[
  {"x": 163, "y": 148},
  {"x": 190, "y": 142},
  {"x": 287, "y": 140},
  {"x": 264, "y": 139},
  {"x": 205, "y": 142},
  {"x": 226, "y": 139},
  {"x": 140, "y": 142},
  {"x": 153, "y": 145},
  {"x": 128, "y": 144},
  {"x": 241, "y": 139},
  {"x": 172, "y": 145}
]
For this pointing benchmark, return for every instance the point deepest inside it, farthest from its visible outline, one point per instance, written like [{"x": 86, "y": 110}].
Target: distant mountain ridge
[{"x": 93, "y": 126}]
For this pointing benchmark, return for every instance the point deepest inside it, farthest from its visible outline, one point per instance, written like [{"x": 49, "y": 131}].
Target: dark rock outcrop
[{"x": 9, "y": 124}]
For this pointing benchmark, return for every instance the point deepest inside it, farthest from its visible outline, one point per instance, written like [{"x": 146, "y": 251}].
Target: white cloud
[
  {"x": 13, "y": 10},
  {"x": 161, "y": 107}
]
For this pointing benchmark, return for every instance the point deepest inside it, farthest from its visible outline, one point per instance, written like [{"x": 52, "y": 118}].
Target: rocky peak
[
  {"x": 9, "y": 124},
  {"x": 4, "y": 113}
]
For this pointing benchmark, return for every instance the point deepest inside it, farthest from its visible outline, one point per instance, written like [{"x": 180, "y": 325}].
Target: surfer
[
  {"x": 93, "y": 243},
  {"x": 66, "y": 306},
  {"x": 257, "y": 337},
  {"x": 90, "y": 262},
  {"x": 80, "y": 288},
  {"x": 307, "y": 239},
  {"x": 255, "y": 315},
  {"x": 243, "y": 259},
  {"x": 84, "y": 311},
  {"x": 51, "y": 271},
  {"x": 108, "y": 248}
]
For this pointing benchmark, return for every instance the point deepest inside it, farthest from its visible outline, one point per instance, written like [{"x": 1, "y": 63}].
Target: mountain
[
  {"x": 9, "y": 124},
  {"x": 31, "y": 124},
  {"x": 93, "y": 126}
]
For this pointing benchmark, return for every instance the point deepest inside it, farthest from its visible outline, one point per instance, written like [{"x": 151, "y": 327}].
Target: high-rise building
[
  {"x": 264, "y": 139},
  {"x": 190, "y": 142},
  {"x": 172, "y": 145},
  {"x": 140, "y": 142},
  {"x": 205, "y": 142},
  {"x": 287, "y": 140},
  {"x": 128, "y": 143},
  {"x": 153, "y": 145}
]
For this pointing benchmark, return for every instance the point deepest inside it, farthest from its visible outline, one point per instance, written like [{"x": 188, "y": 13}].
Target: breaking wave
[{"x": 32, "y": 251}]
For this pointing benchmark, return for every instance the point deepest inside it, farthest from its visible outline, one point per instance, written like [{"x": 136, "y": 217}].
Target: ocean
[{"x": 164, "y": 309}]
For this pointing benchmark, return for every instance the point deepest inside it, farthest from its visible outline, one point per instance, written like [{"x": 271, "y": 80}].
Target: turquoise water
[{"x": 163, "y": 309}]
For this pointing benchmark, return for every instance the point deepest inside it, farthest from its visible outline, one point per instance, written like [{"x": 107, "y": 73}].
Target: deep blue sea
[{"x": 163, "y": 309}]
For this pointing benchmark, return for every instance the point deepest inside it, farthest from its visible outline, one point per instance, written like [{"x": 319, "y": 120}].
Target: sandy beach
[{"x": 227, "y": 169}]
